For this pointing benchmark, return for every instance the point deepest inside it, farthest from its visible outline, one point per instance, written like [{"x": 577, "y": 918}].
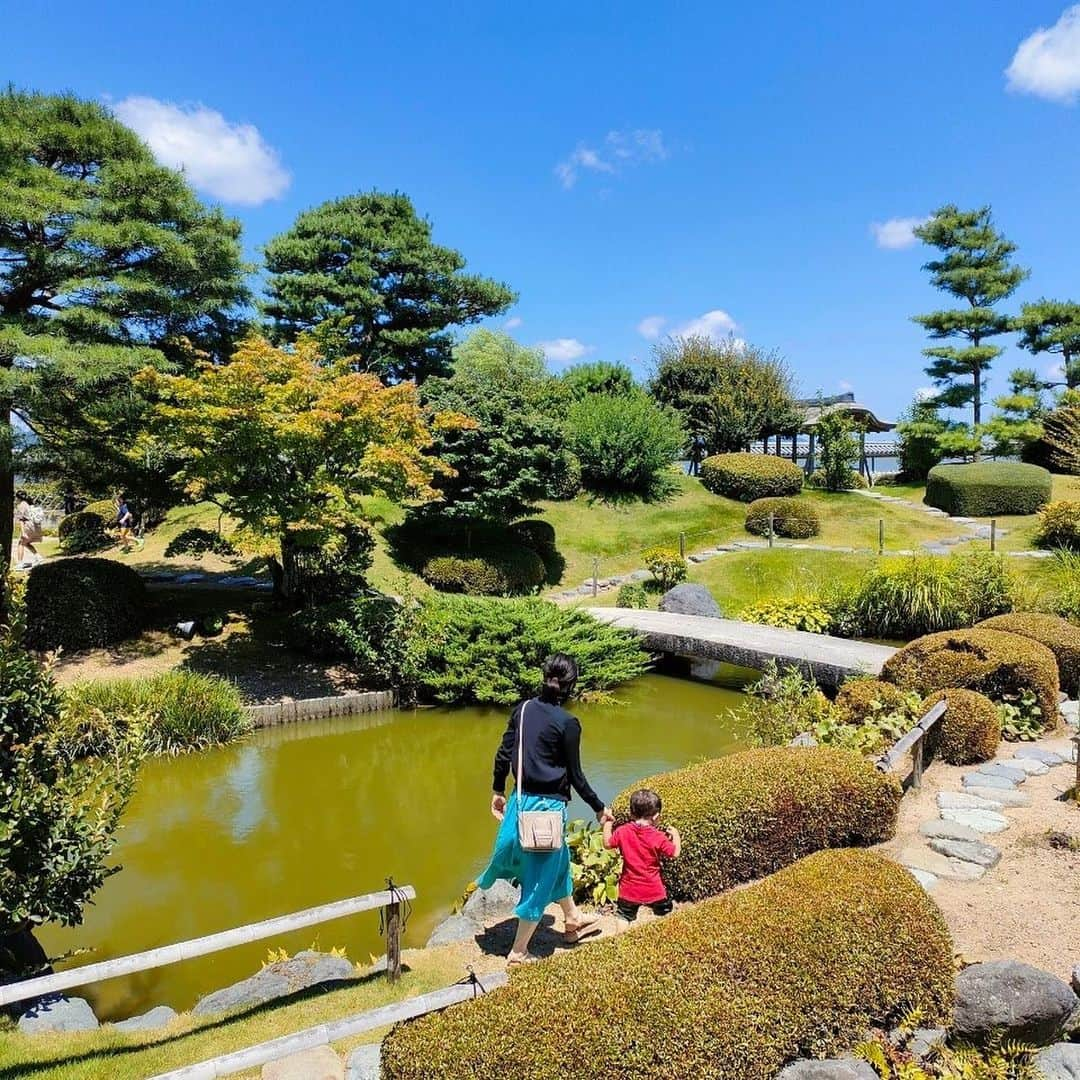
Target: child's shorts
[{"x": 628, "y": 911}]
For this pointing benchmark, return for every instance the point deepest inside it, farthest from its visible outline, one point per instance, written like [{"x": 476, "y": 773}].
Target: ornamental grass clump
[
  {"x": 749, "y": 814},
  {"x": 794, "y": 518},
  {"x": 799, "y": 965},
  {"x": 970, "y": 730},
  {"x": 1061, "y": 637},
  {"x": 1000, "y": 665},
  {"x": 750, "y": 476}
]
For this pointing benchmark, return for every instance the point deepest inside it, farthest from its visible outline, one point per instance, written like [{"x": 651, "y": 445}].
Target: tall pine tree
[{"x": 1053, "y": 326}]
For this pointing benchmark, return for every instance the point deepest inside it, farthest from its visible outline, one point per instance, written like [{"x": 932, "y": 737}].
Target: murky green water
[{"x": 309, "y": 813}]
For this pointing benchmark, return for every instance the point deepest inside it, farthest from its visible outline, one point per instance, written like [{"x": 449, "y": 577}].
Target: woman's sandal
[
  {"x": 521, "y": 961},
  {"x": 590, "y": 924}
]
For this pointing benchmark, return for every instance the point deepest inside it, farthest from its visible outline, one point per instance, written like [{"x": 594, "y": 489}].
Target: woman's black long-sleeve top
[{"x": 552, "y": 754}]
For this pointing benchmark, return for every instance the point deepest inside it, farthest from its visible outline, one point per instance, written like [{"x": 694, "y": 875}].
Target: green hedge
[
  {"x": 82, "y": 604},
  {"x": 750, "y": 476},
  {"x": 992, "y": 662},
  {"x": 970, "y": 730},
  {"x": 985, "y": 488},
  {"x": 794, "y": 518},
  {"x": 1059, "y": 635},
  {"x": 748, "y": 814},
  {"x": 865, "y": 699},
  {"x": 82, "y": 531},
  {"x": 799, "y": 965},
  {"x": 508, "y": 570}
]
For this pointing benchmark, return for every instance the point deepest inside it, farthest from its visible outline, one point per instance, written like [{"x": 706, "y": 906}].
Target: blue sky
[{"x": 715, "y": 166}]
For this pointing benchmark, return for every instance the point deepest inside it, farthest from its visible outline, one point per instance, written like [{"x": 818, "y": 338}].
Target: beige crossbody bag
[{"x": 538, "y": 830}]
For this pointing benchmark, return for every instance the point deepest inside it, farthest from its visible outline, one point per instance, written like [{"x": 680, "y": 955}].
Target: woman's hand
[
  {"x": 498, "y": 806},
  {"x": 604, "y": 814}
]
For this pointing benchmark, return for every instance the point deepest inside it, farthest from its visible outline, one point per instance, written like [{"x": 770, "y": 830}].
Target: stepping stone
[
  {"x": 1010, "y": 772},
  {"x": 1034, "y": 753},
  {"x": 923, "y": 877},
  {"x": 1029, "y": 765},
  {"x": 1006, "y": 798},
  {"x": 364, "y": 1062},
  {"x": 988, "y": 780},
  {"x": 947, "y": 830},
  {"x": 956, "y": 800},
  {"x": 921, "y": 858},
  {"x": 983, "y": 821},
  {"x": 320, "y": 1063},
  {"x": 1070, "y": 710},
  {"x": 972, "y": 851}
]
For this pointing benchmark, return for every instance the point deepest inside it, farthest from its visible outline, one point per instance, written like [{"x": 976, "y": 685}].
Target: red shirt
[{"x": 641, "y": 847}]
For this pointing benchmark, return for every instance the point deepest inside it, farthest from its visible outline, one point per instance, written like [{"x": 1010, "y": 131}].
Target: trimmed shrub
[
  {"x": 985, "y": 488},
  {"x": 1059, "y": 526},
  {"x": 536, "y": 534},
  {"x": 1062, "y": 638},
  {"x": 1002, "y": 666},
  {"x": 854, "y": 480},
  {"x": 666, "y": 565},
  {"x": 970, "y": 730},
  {"x": 565, "y": 480},
  {"x": 748, "y": 814},
  {"x": 632, "y": 595},
  {"x": 104, "y": 508},
  {"x": 177, "y": 711},
  {"x": 864, "y": 699},
  {"x": 507, "y": 570},
  {"x": 197, "y": 542},
  {"x": 82, "y": 604},
  {"x": 82, "y": 531},
  {"x": 750, "y": 476},
  {"x": 790, "y": 613},
  {"x": 796, "y": 519},
  {"x": 798, "y": 965}
]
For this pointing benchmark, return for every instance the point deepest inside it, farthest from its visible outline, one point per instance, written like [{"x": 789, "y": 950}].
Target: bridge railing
[{"x": 913, "y": 744}]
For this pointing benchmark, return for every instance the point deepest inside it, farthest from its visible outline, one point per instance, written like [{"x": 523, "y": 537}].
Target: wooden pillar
[
  {"x": 393, "y": 941},
  {"x": 810, "y": 453},
  {"x": 862, "y": 455},
  {"x": 778, "y": 450},
  {"x": 795, "y": 447}
]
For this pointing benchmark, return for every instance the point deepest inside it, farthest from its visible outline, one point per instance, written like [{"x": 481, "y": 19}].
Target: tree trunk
[
  {"x": 7, "y": 499},
  {"x": 976, "y": 407},
  {"x": 286, "y": 572},
  {"x": 21, "y": 957}
]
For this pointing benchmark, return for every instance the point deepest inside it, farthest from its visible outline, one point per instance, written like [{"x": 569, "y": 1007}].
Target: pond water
[{"x": 309, "y": 813}]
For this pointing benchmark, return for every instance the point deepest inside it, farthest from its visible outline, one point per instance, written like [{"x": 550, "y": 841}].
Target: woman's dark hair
[
  {"x": 560, "y": 673},
  {"x": 21, "y": 496}
]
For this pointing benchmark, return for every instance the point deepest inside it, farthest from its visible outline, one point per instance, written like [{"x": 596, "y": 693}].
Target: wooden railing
[
  {"x": 389, "y": 900},
  {"x": 913, "y": 743}
]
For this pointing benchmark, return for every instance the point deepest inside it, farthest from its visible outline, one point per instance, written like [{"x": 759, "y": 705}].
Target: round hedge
[
  {"x": 863, "y": 699},
  {"x": 991, "y": 662},
  {"x": 750, "y": 476},
  {"x": 1059, "y": 635},
  {"x": 794, "y": 518},
  {"x": 82, "y": 604},
  {"x": 534, "y": 533},
  {"x": 82, "y": 531},
  {"x": 748, "y": 814},
  {"x": 509, "y": 570},
  {"x": 985, "y": 488},
  {"x": 970, "y": 730},
  {"x": 799, "y": 965}
]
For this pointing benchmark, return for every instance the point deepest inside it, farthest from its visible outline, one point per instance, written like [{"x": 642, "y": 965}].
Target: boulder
[
  {"x": 319, "y": 1063},
  {"x": 452, "y": 930},
  {"x": 58, "y": 1013},
  {"x": 301, "y": 972},
  {"x": 690, "y": 599},
  {"x": 1076, "y": 979},
  {"x": 157, "y": 1017},
  {"x": 1016, "y": 1000},
  {"x": 920, "y": 1042},
  {"x": 364, "y": 1063},
  {"x": 487, "y": 905},
  {"x": 830, "y": 1069},
  {"x": 1059, "y": 1062}
]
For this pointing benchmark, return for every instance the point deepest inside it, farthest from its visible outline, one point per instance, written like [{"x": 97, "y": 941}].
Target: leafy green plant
[
  {"x": 1021, "y": 717},
  {"x": 790, "y": 613},
  {"x": 666, "y": 565},
  {"x": 1059, "y": 525},
  {"x": 81, "y": 532},
  {"x": 781, "y": 705},
  {"x": 594, "y": 869},
  {"x": 839, "y": 450},
  {"x": 198, "y": 542},
  {"x": 632, "y": 594}
]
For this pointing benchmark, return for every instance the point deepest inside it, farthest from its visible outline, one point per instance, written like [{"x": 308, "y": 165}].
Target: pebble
[
  {"x": 984, "y": 821},
  {"x": 1006, "y": 798},
  {"x": 1010, "y": 772},
  {"x": 977, "y": 852},
  {"x": 920, "y": 858},
  {"x": 958, "y": 800},
  {"x": 1030, "y": 766}
]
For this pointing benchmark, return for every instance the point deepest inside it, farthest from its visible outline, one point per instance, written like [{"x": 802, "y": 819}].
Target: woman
[
  {"x": 551, "y": 767},
  {"x": 30, "y": 531}
]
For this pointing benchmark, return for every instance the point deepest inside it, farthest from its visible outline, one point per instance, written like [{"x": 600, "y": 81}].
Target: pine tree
[{"x": 1053, "y": 326}]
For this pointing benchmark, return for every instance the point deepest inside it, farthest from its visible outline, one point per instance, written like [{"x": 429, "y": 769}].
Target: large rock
[
  {"x": 452, "y": 930},
  {"x": 498, "y": 902},
  {"x": 157, "y": 1017},
  {"x": 831, "y": 1069},
  {"x": 303, "y": 971},
  {"x": 364, "y": 1063},
  {"x": 1016, "y": 1000},
  {"x": 58, "y": 1013},
  {"x": 690, "y": 599},
  {"x": 1059, "y": 1062}
]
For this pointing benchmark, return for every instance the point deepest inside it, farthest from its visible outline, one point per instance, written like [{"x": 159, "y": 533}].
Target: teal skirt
[{"x": 544, "y": 875}]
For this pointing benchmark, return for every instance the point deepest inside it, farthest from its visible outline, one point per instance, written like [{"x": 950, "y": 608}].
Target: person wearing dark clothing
[{"x": 550, "y": 769}]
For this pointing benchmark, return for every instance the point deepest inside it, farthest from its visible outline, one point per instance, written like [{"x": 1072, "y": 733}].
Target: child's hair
[{"x": 644, "y": 803}]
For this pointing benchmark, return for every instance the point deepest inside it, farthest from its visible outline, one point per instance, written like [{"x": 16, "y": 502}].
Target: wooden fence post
[
  {"x": 881, "y": 536},
  {"x": 993, "y": 534},
  {"x": 917, "y": 762},
  {"x": 772, "y": 523},
  {"x": 393, "y": 941},
  {"x": 682, "y": 545},
  {"x": 595, "y": 575}
]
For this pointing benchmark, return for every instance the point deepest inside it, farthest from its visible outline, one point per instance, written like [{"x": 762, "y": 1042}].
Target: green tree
[
  {"x": 974, "y": 267},
  {"x": 599, "y": 377},
  {"x": 108, "y": 262},
  {"x": 1019, "y": 422},
  {"x": 369, "y": 262},
  {"x": 490, "y": 352},
  {"x": 920, "y": 430},
  {"x": 839, "y": 450},
  {"x": 729, "y": 394},
  {"x": 1053, "y": 326}
]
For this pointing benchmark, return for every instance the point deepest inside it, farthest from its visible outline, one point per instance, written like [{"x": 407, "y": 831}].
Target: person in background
[
  {"x": 125, "y": 523},
  {"x": 697, "y": 453},
  {"x": 29, "y": 519}
]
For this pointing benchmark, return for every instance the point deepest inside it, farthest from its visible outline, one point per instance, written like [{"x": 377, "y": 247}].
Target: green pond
[{"x": 309, "y": 813}]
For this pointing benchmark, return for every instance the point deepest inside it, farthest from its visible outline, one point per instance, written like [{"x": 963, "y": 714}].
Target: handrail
[
  {"x": 914, "y": 742},
  {"x": 185, "y": 950}
]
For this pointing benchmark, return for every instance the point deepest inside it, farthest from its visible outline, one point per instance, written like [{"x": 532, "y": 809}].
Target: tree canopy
[
  {"x": 599, "y": 377},
  {"x": 491, "y": 352},
  {"x": 368, "y": 261},
  {"x": 1053, "y": 326}
]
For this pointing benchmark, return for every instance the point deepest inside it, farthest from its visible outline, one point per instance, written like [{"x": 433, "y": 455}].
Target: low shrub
[
  {"x": 986, "y": 488},
  {"x": 81, "y": 532},
  {"x": 594, "y": 869},
  {"x": 852, "y": 482},
  {"x": 970, "y": 730},
  {"x": 198, "y": 542},
  {"x": 750, "y": 476},
  {"x": 632, "y": 595},
  {"x": 1062, "y": 638},
  {"x": 507, "y": 570},
  {"x": 1002, "y": 666},
  {"x": 82, "y": 604},
  {"x": 104, "y": 508},
  {"x": 178, "y": 711},
  {"x": 798, "y": 965},
  {"x": 794, "y": 518},
  {"x": 536, "y": 534},
  {"x": 666, "y": 565},
  {"x": 790, "y": 613},
  {"x": 1059, "y": 526},
  {"x": 859, "y": 700},
  {"x": 781, "y": 705}
]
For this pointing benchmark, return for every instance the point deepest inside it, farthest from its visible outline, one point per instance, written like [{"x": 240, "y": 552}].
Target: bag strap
[{"x": 521, "y": 752}]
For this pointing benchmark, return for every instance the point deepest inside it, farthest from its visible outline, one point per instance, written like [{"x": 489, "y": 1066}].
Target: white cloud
[
  {"x": 563, "y": 350},
  {"x": 897, "y": 232},
  {"x": 619, "y": 148},
  {"x": 650, "y": 326},
  {"x": 231, "y": 162},
  {"x": 513, "y": 322},
  {"x": 1047, "y": 62},
  {"x": 715, "y": 324}
]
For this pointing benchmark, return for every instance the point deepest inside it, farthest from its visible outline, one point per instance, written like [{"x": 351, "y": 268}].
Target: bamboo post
[
  {"x": 881, "y": 536},
  {"x": 595, "y": 576},
  {"x": 682, "y": 545},
  {"x": 393, "y": 941},
  {"x": 772, "y": 522},
  {"x": 993, "y": 534},
  {"x": 917, "y": 762}
]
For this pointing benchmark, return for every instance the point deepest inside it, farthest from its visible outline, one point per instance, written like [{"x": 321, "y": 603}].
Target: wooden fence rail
[
  {"x": 388, "y": 899},
  {"x": 913, "y": 743}
]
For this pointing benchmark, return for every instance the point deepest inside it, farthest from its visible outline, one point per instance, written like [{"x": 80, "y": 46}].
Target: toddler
[{"x": 641, "y": 843}]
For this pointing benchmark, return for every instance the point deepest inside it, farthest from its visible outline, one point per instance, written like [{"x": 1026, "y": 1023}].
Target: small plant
[
  {"x": 839, "y": 450},
  {"x": 666, "y": 565},
  {"x": 1021, "y": 717},
  {"x": 632, "y": 595},
  {"x": 781, "y": 705},
  {"x": 1063, "y": 841},
  {"x": 790, "y": 613},
  {"x": 198, "y": 542},
  {"x": 594, "y": 868}
]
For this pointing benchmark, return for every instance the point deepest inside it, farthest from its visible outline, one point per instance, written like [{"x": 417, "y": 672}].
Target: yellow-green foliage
[
  {"x": 666, "y": 565},
  {"x": 750, "y": 476},
  {"x": 994, "y": 663},
  {"x": 795, "y": 518},
  {"x": 1059, "y": 525},
  {"x": 970, "y": 730},
  {"x": 863, "y": 699},
  {"x": 800, "y": 964},
  {"x": 1061, "y": 637},
  {"x": 790, "y": 613},
  {"x": 748, "y": 814}
]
